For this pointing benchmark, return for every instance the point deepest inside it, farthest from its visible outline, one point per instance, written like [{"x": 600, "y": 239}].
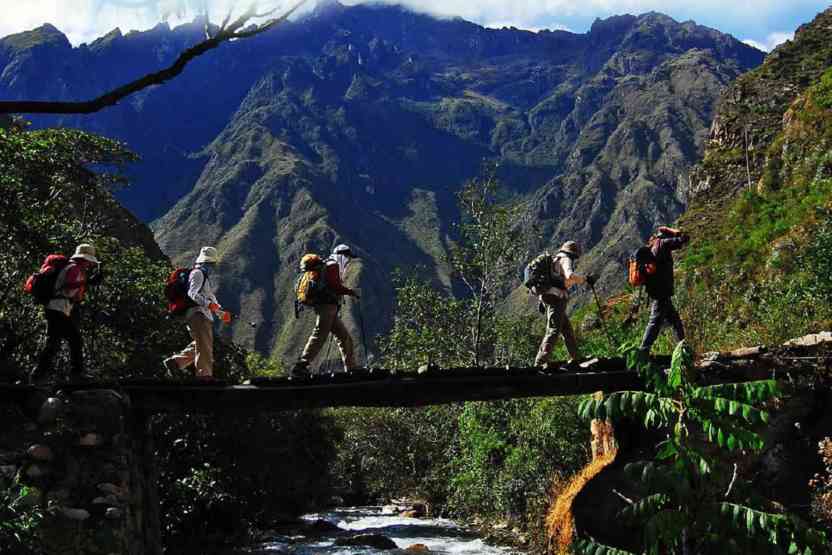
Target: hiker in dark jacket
[
  {"x": 660, "y": 287},
  {"x": 553, "y": 301},
  {"x": 200, "y": 318},
  {"x": 61, "y": 314},
  {"x": 327, "y": 319}
]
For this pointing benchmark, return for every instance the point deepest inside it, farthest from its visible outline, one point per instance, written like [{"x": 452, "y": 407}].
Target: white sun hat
[
  {"x": 85, "y": 252},
  {"x": 207, "y": 254}
]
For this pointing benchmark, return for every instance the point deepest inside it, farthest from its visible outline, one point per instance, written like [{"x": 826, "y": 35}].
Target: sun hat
[
  {"x": 207, "y": 254},
  {"x": 344, "y": 250},
  {"x": 571, "y": 247},
  {"x": 85, "y": 252}
]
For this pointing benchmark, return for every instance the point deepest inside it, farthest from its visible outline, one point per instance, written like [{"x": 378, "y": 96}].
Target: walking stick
[
  {"x": 601, "y": 316},
  {"x": 363, "y": 334}
]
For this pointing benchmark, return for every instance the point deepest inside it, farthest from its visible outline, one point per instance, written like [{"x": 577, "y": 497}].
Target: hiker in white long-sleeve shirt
[
  {"x": 554, "y": 298},
  {"x": 200, "y": 318}
]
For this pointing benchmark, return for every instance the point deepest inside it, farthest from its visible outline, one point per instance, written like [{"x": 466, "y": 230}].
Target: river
[{"x": 440, "y": 536}]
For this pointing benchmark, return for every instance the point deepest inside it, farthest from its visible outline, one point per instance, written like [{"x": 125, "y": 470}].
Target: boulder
[
  {"x": 75, "y": 514},
  {"x": 418, "y": 548},
  {"x": 91, "y": 440},
  {"x": 8, "y": 471},
  {"x": 322, "y": 526},
  {"x": 113, "y": 513},
  {"x": 40, "y": 453},
  {"x": 811, "y": 340},
  {"x": 50, "y": 410},
  {"x": 376, "y": 541}
]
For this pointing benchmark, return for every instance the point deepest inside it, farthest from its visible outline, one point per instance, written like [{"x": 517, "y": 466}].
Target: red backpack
[
  {"x": 641, "y": 266},
  {"x": 41, "y": 285},
  {"x": 176, "y": 291}
]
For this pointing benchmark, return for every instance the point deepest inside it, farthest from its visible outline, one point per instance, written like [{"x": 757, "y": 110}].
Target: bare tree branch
[{"x": 224, "y": 34}]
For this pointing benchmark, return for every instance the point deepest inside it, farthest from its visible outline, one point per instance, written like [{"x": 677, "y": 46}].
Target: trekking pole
[
  {"x": 601, "y": 316},
  {"x": 363, "y": 334}
]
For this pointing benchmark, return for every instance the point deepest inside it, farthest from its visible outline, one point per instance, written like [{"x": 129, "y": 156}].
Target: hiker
[
  {"x": 62, "y": 318},
  {"x": 553, "y": 295},
  {"x": 660, "y": 287},
  {"x": 327, "y": 304},
  {"x": 202, "y": 305}
]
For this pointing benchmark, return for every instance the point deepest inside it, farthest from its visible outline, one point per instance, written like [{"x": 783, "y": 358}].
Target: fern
[{"x": 590, "y": 547}]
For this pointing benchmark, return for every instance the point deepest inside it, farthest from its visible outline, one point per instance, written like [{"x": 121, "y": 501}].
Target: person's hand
[
  {"x": 592, "y": 279},
  {"x": 226, "y": 317},
  {"x": 668, "y": 230},
  {"x": 214, "y": 307}
]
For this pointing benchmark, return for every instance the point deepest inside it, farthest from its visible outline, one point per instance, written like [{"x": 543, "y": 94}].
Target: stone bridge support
[{"x": 88, "y": 460}]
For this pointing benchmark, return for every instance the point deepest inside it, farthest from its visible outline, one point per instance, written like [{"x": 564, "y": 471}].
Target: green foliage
[
  {"x": 687, "y": 504},
  {"x": 823, "y": 91},
  {"x": 19, "y": 520}
]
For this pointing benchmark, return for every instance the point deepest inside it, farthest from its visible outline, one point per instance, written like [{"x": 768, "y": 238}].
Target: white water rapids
[{"x": 441, "y": 536}]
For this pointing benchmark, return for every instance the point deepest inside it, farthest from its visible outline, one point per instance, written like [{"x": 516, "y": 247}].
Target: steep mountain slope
[
  {"x": 358, "y": 124},
  {"x": 761, "y": 201}
]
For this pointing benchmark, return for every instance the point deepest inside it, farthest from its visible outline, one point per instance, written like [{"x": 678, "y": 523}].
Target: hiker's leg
[
  {"x": 76, "y": 345},
  {"x": 654, "y": 326},
  {"x": 203, "y": 333},
  {"x": 672, "y": 317},
  {"x": 568, "y": 334},
  {"x": 345, "y": 343},
  {"x": 53, "y": 342},
  {"x": 553, "y": 322},
  {"x": 326, "y": 314},
  {"x": 186, "y": 356}
]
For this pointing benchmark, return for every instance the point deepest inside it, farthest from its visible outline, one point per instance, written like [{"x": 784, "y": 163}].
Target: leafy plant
[
  {"x": 19, "y": 521},
  {"x": 687, "y": 503}
]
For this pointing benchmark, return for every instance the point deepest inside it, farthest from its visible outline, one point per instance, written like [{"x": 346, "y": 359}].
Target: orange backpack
[
  {"x": 641, "y": 266},
  {"x": 311, "y": 283}
]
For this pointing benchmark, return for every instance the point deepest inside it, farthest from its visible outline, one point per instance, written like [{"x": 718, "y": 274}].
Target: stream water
[{"x": 438, "y": 535}]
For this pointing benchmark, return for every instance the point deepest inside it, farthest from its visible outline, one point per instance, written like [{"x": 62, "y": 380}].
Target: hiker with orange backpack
[
  {"x": 191, "y": 294},
  {"x": 61, "y": 285},
  {"x": 655, "y": 272},
  {"x": 320, "y": 286}
]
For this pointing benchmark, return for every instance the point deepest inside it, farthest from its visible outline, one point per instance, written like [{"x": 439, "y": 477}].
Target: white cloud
[
  {"x": 772, "y": 41},
  {"x": 83, "y": 20}
]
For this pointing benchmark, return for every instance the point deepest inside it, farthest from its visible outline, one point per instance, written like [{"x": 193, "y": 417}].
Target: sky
[{"x": 762, "y": 23}]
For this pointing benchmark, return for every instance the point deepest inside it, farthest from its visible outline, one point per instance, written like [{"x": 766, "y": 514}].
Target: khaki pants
[
  {"x": 201, "y": 350},
  {"x": 557, "y": 323},
  {"x": 327, "y": 322}
]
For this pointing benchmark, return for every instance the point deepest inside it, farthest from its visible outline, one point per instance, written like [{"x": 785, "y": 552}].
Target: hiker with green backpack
[
  {"x": 320, "y": 287},
  {"x": 549, "y": 277},
  {"x": 190, "y": 294}
]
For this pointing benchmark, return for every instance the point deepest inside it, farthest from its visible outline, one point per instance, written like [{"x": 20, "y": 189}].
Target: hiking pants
[
  {"x": 201, "y": 350},
  {"x": 557, "y": 323},
  {"x": 59, "y": 326},
  {"x": 327, "y": 322},
  {"x": 662, "y": 312}
]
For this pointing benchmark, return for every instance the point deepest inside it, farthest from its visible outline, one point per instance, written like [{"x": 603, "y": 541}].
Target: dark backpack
[
  {"x": 641, "y": 266},
  {"x": 41, "y": 285},
  {"x": 176, "y": 291},
  {"x": 538, "y": 276}
]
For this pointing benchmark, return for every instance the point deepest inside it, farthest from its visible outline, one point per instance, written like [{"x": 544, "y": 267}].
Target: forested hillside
[{"x": 358, "y": 124}]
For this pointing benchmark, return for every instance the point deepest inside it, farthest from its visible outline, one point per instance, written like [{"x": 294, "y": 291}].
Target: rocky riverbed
[{"x": 373, "y": 530}]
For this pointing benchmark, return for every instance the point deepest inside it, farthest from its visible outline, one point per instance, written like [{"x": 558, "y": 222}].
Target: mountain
[{"x": 357, "y": 124}]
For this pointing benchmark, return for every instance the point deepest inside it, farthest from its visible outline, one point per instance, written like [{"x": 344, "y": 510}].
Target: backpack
[
  {"x": 176, "y": 291},
  {"x": 641, "y": 265},
  {"x": 41, "y": 285},
  {"x": 311, "y": 283},
  {"x": 538, "y": 275}
]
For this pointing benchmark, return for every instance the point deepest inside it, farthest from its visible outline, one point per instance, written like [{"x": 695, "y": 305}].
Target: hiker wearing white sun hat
[
  {"x": 70, "y": 286},
  {"x": 200, "y": 318}
]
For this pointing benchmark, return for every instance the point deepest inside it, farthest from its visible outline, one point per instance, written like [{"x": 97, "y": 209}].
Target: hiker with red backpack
[
  {"x": 61, "y": 285},
  {"x": 655, "y": 272},
  {"x": 320, "y": 286},
  {"x": 550, "y": 277},
  {"x": 191, "y": 295}
]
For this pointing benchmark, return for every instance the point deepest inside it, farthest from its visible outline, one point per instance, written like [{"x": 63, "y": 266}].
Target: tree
[
  {"x": 688, "y": 504},
  {"x": 214, "y": 36}
]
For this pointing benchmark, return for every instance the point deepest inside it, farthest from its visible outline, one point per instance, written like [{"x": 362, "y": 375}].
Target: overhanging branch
[{"x": 226, "y": 32}]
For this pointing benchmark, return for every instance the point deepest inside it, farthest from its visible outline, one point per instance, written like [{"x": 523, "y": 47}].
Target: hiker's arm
[
  {"x": 571, "y": 278},
  {"x": 196, "y": 281},
  {"x": 333, "y": 281},
  {"x": 677, "y": 242}
]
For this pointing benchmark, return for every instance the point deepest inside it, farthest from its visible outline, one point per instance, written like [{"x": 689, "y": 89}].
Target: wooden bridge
[{"x": 376, "y": 388}]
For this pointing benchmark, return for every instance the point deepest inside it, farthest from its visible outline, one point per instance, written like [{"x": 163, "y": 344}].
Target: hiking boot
[
  {"x": 171, "y": 368},
  {"x": 300, "y": 371}
]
